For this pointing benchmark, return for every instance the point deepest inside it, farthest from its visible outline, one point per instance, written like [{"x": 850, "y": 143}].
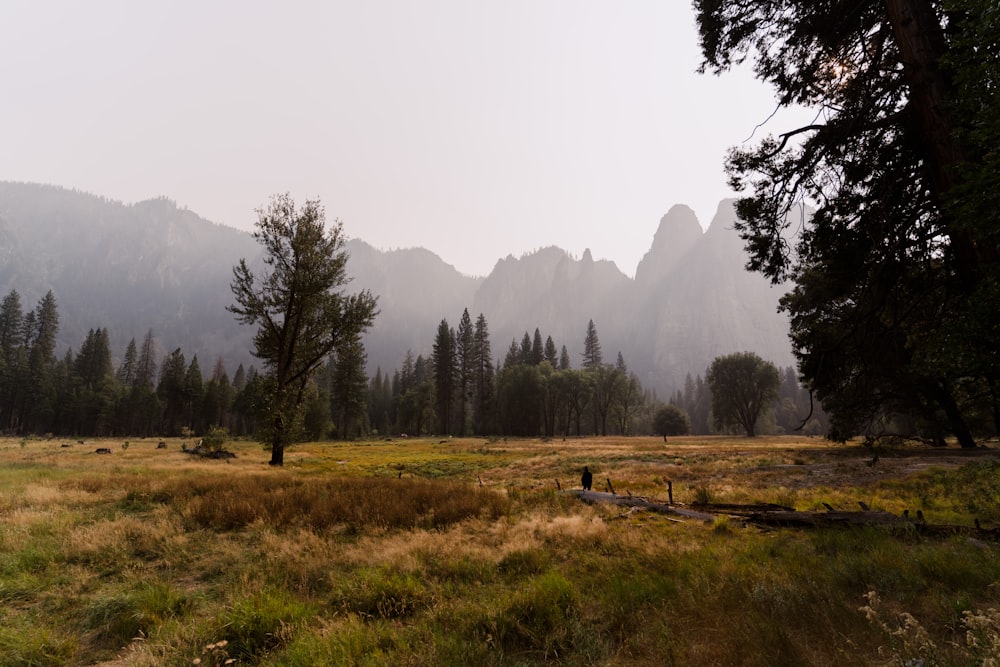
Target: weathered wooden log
[
  {"x": 780, "y": 516},
  {"x": 636, "y": 501},
  {"x": 869, "y": 518},
  {"x": 741, "y": 509},
  {"x": 791, "y": 518}
]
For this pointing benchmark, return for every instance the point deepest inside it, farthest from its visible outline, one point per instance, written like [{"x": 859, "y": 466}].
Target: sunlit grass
[{"x": 463, "y": 551}]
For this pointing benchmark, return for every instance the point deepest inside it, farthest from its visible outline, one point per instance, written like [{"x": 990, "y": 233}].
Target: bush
[
  {"x": 118, "y": 619},
  {"x": 382, "y": 593},
  {"x": 261, "y": 622},
  {"x": 536, "y": 619}
]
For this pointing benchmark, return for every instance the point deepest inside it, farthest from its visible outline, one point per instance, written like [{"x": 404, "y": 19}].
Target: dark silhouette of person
[{"x": 587, "y": 479}]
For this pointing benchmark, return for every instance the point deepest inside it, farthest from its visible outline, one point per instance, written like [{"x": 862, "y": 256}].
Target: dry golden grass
[{"x": 458, "y": 551}]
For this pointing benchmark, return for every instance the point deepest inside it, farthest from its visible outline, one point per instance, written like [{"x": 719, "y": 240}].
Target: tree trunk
[
  {"x": 277, "y": 454},
  {"x": 920, "y": 39},
  {"x": 278, "y": 441},
  {"x": 946, "y": 400}
]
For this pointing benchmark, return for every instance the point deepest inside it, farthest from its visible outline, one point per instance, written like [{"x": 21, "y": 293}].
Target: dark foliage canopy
[{"x": 894, "y": 308}]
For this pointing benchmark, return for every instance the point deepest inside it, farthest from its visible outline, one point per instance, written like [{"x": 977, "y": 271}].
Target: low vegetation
[{"x": 463, "y": 551}]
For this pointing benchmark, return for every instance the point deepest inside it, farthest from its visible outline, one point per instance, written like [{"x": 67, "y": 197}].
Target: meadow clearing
[{"x": 462, "y": 551}]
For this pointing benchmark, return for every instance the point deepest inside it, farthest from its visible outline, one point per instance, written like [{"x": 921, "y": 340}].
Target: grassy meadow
[{"x": 463, "y": 552}]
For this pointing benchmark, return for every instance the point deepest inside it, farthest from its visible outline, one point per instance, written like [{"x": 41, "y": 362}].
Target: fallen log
[
  {"x": 776, "y": 516},
  {"x": 794, "y": 519},
  {"x": 637, "y": 501},
  {"x": 741, "y": 509}
]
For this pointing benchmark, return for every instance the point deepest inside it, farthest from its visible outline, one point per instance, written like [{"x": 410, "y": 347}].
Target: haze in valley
[{"x": 476, "y": 130}]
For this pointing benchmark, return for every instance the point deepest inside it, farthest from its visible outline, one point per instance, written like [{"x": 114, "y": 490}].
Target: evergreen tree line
[
  {"x": 536, "y": 392},
  {"x": 460, "y": 389},
  {"x": 84, "y": 395}
]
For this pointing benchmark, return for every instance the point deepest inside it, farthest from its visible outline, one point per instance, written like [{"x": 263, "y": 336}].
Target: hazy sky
[{"x": 473, "y": 128}]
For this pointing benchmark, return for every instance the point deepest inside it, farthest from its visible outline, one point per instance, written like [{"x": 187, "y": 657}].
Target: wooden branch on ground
[
  {"x": 636, "y": 501},
  {"x": 771, "y": 515},
  {"x": 868, "y": 518},
  {"x": 741, "y": 509}
]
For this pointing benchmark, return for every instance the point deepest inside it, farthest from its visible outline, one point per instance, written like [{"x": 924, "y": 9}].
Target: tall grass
[
  {"x": 386, "y": 503},
  {"x": 148, "y": 561}
]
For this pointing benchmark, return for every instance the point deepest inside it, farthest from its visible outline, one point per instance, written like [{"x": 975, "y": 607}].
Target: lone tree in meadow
[
  {"x": 299, "y": 305},
  {"x": 671, "y": 420},
  {"x": 743, "y": 387}
]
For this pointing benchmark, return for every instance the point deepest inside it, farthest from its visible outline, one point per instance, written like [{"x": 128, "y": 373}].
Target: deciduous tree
[
  {"x": 299, "y": 306},
  {"x": 671, "y": 420},
  {"x": 743, "y": 387},
  {"x": 896, "y": 282}
]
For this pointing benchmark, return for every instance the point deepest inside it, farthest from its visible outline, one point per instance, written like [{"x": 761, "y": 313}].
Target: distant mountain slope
[
  {"x": 151, "y": 265},
  {"x": 690, "y": 302},
  {"x": 706, "y": 305},
  {"x": 129, "y": 268}
]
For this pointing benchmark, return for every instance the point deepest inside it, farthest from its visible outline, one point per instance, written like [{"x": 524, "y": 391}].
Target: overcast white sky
[{"x": 473, "y": 128}]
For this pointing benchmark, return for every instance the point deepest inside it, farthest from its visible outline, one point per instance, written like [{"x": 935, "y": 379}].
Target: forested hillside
[{"x": 151, "y": 266}]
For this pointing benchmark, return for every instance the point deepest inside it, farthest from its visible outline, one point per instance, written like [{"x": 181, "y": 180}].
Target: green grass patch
[{"x": 382, "y": 552}]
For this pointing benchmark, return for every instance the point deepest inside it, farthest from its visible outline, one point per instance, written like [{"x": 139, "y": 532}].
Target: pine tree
[
  {"x": 93, "y": 380},
  {"x": 466, "y": 368},
  {"x": 11, "y": 358},
  {"x": 524, "y": 353},
  {"x": 218, "y": 398},
  {"x": 171, "y": 391},
  {"x": 194, "y": 393},
  {"x": 513, "y": 357},
  {"x": 484, "y": 374},
  {"x": 445, "y": 371},
  {"x": 125, "y": 375},
  {"x": 591, "y": 348},
  {"x": 551, "y": 354},
  {"x": 145, "y": 367},
  {"x": 39, "y": 405},
  {"x": 537, "y": 349},
  {"x": 350, "y": 388},
  {"x": 564, "y": 363},
  {"x": 379, "y": 402}
]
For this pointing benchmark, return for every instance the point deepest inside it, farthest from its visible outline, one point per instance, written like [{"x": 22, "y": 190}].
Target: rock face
[
  {"x": 707, "y": 304},
  {"x": 151, "y": 265},
  {"x": 678, "y": 232},
  {"x": 691, "y": 301}
]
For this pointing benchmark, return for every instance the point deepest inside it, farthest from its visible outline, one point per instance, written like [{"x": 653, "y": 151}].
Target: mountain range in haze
[{"x": 152, "y": 265}]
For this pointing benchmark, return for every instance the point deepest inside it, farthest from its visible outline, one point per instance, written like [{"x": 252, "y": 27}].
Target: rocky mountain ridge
[{"x": 152, "y": 265}]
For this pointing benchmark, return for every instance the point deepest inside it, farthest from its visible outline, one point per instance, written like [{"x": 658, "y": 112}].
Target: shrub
[
  {"x": 382, "y": 593},
  {"x": 254, "y": 625},
  {"x": 117, "y": 619},
  {"x": 524, "y": 562},
  {"x": 536, "y": 619}
]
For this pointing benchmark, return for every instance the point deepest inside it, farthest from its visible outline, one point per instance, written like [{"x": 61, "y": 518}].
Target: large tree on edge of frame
[
  {"x": 299, "y": 305},
  {"x": 894, "y": 307}
]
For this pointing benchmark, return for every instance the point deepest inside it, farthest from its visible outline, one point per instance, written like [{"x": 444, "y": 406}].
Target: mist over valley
[{"x": 150, "y": 265}]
